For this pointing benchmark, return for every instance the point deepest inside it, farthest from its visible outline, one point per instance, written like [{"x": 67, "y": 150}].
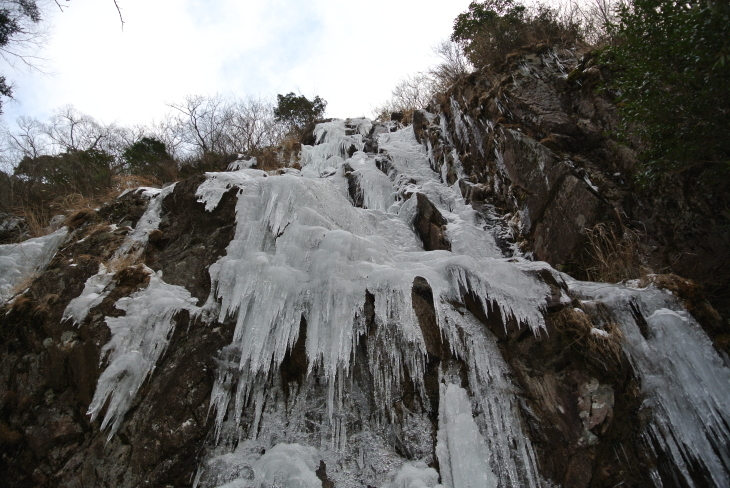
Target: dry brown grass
[
  {"x": 23, "y": 285},
  {"x": 79, "y": 208},
  {"x": 291, "y": 148},
  {"x": 121, "y": 263},
  {"x": 36, "y": 218},
  {"x": 578, "y": 325},
  {"x": 612, "y": 255},
  {"x": 681, "y": 287},
  {"x": 693, "y": 297},
  {"x": 121, "y": 183},
  {"x": 45, "y": 305}
]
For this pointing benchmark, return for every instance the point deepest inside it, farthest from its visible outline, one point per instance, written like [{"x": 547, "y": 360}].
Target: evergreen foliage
[
  {"x": 671, "y": 69},
  {"x": 298, "y": 111},
  {"x": 15, "y": 18},
  {"x": 87, "y": 173},
  {"x": 149, "y": 157},
  {"x": 491, "y": 29}
]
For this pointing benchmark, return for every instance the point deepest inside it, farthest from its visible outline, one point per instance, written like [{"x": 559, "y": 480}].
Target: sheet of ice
[
  {"x": 217, "y": 184},
  {"x": 685, "y": 383},
  {"x": 336, "y": 138},
  {"x": 302, "y": 250},
  {"x": 19, "y": 262},
  {"x": 95, "y": 290},
  {"x": 461, "y": 449},
  {"x": 462, "y": 132},
  {"x": 98, "y": 286},
  {"x": 412, "y": 171},
  {"x": 150, "y": 220},
  {"x": 374, "y": 187},
  {"x": 289, "y": 465},
  {"x": 242, "y": 163},
  {"x": 138, "y": 340},
  {"x": 512, "y": 456},
  {"x": 415, "y": 475}
]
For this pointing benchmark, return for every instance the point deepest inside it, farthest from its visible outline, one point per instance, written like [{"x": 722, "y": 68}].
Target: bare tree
[
  {"x": 453, "y": 65},
  {"x": 203, "y": 120},
  {"x": 411, "y": 93},
  {"x": 221, "y": 125},
  {"x": 251, "y": 125},
  {"x": 29, "y": 140},
  {"x": 596, "y": 18},
  {"x": 71, "y": 130},
  {"x": 23, "y": 33},
  {"x": 170, "y": 131}
]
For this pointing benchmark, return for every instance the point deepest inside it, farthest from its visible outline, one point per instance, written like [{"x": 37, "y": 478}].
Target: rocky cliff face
[
  {"x": 373, "y": 319},
  {"x": 536, "y": 140}
]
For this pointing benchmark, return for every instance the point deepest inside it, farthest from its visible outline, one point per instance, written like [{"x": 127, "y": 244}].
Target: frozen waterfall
[{"x": 360, "y": 357}]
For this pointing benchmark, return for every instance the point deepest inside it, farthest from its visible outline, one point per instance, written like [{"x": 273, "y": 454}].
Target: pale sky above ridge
[{"x": 351, "y": 54}]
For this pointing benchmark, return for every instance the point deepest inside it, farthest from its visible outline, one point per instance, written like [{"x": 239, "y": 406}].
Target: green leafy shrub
[
  {"x": 490, "y": 30},
  {"x": 149, "y": 157},
  {"x": 671, "y": 70},
  {"x": 298, "y": 111}
]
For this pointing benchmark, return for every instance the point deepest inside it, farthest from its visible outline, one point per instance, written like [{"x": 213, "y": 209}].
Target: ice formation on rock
[
  {"x": 685, "y": 383},
  {"x": 461, "y": 449},
  {"x": 304, "y": 259},
  {"x": 318, "y": 284},
  {"x": 138, "y": 340},
  {"x": 19, "y": 262},
  {"x": 98, "y": 286}
]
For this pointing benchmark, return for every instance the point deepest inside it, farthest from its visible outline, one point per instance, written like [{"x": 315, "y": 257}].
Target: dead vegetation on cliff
[
  {"x": 602, "y": 342},
  {"x": 612, "y": 254}
]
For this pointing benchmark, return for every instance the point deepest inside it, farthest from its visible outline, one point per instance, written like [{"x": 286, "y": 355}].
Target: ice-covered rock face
[
  {"x": 18, "y": 262},
  {"x": 319, "y": 281},
  {"x": 308, "y": 267},
  {"x": 379, "y": 330},
  {"x": 683, "y": 380}
]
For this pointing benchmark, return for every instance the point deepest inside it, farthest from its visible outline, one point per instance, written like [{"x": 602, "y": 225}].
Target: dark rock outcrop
[
  {"x": 536, "y": 139},
  {"x": 430, "y": 225},
  {"x": 50, "y": 367}
]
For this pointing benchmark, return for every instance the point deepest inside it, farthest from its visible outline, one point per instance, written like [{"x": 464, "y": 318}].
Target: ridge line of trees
[{"x": 44, "y": 163}]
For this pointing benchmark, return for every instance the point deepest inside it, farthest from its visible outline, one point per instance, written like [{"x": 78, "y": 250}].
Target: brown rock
[{"x": 430, "y": 225}]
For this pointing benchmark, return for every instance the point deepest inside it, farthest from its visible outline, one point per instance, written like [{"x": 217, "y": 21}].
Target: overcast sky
[{"x": 350, "y": 53}]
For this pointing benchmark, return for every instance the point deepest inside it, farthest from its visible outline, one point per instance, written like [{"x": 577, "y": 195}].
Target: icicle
[
  {"x": 462, "y": 452},
  {"x": 683, "y": 379},
  {"x": 138, "y": 340},
  {"x": 150, "y": 220},
  {"x": 301, "y": 250},
  {"x": 98, "y": 286},
  {"x": 461, "y": 130}
]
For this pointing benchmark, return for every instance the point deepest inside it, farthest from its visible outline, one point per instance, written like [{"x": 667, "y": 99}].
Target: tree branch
[{"x": 121, "y": 19}]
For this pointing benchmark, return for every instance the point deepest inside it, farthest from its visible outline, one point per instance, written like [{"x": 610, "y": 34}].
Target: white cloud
[{"x": 351, "y": 54}]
